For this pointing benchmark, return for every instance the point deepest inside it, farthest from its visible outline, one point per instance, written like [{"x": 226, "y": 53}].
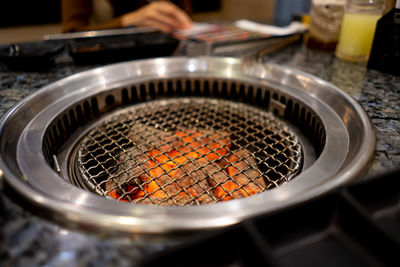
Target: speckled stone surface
[
  {"x": 376, "y": 92},
  {"x": 28, "y": 240}
]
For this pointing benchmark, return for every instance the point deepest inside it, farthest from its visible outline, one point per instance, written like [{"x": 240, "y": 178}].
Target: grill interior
[
  {"x": 184, "y": 141},
  {"x": 187, "y": 151}
]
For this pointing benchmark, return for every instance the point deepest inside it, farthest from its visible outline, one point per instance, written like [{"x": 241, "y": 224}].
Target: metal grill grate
[{"x": 187, "y": 151}]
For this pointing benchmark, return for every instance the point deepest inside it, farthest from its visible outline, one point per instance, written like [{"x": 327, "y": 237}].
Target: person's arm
[{"x": 161, "y": 15}]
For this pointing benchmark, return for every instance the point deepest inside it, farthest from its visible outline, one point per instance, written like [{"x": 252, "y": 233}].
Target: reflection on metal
[{"x": 98, "y": 33}]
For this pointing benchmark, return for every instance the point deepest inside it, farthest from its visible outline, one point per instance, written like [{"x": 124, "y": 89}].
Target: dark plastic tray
[
  {"x": 380, "y": 200},
  {"x": 358, "y": 225},
  {"x": 30, "y": 56},
  {"x": 121, "y": 47}
]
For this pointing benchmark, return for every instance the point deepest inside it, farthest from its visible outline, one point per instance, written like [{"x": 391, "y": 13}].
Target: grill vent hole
[
  {"x": 302, "y": 115},
  {"x": 179, "y": 87},
  {"x": 55, "y": 135},
  {"x": 215, "y": 88},
  {"x": 197, "y": 88},
  {"x": 249, "y": 97},
  {"x": 143, "y": 94},
  {"x": 224, "y": 89},
  {"x": 152, "y": 90},
  {"x": 161, "y": 89},
  {"x": 95, "y": 106},
  {"x": 289, "y": 109},
  {"x": 87, "y": 109},
  {"x": 67, "y": 124},
  {"x": 206, "y": 87},
  {"x": 170, "y": 87},
  {"x": 242, "y": 92},
  {"x": 79, "y": 115},
  {"x": 134, "y": 94},
  {"x": 125, "y": 96},
  {"x": 233, "y": 93},
  {"x": 73, "y": 119},
  {"x": 61, "y": 130},
  {"x": 110, "y": 100}
]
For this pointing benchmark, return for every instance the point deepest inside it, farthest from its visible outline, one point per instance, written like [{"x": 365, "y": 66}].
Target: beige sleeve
[{"x": 76, "y": 16}]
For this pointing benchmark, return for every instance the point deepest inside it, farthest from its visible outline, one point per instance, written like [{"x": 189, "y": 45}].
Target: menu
[{"x": 230, "y": 38}]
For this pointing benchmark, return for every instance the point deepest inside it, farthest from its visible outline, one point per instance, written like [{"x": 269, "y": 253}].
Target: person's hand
[{"x": 161, "y": 15}]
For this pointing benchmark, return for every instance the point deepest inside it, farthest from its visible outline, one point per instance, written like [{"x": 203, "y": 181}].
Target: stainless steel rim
[{"x": 345, "y": 156}]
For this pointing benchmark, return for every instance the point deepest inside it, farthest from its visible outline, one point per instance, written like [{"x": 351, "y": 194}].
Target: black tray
[
  {"x": 30, "y": 56},
  {"x": 109, "y": 49},
  {"x": 358, "y": 225}
]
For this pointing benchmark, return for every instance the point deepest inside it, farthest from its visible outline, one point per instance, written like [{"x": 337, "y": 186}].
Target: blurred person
[{"x": 86, "y": 15}]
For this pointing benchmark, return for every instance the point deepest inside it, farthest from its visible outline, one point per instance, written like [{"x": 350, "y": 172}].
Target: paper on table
[
  {"x": 197, "y": 28},
  {"x": 294, "y": 27}
]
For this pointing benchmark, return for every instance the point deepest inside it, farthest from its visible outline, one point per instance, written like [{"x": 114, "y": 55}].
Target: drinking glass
[{"x": 358, "y": 28}]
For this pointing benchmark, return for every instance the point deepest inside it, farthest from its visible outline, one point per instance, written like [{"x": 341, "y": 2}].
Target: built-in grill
[
  {"x": 181, "y": 143},
  {"x": 187, "y": 151}
]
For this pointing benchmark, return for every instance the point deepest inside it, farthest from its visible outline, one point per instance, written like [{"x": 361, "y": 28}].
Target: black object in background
[
  {"x": 385, "y": 52},
  {"x": 206, "y": 5},
  {"x": 108, "y": 49},
  {"x": 28, "y": 12},
  {"x": 35, "y": 56}
]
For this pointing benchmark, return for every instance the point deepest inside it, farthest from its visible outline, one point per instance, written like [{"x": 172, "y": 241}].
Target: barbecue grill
[
  {"x": 146, "y": 142},
  {"x": 173, "y": 144}
]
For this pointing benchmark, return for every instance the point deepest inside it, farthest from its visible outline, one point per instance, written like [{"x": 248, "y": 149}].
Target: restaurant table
[{"x": 29, "y": 240}]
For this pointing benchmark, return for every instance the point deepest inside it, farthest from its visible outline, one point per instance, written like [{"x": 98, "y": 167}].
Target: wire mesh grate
[{"x": 188, "y": 151}]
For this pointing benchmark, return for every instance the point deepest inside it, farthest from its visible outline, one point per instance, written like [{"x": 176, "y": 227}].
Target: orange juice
[{"x": 356, "y": 36}]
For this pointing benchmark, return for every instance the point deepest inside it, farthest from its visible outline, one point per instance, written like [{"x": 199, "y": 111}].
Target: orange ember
[{"x": 194, "y": 165}]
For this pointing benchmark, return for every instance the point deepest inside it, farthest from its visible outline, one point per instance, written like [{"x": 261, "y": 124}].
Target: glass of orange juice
[{"x": 358, "y": 29}]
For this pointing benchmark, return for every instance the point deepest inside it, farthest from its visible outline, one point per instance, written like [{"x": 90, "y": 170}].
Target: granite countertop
[{"x": 26, "y": 239}]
